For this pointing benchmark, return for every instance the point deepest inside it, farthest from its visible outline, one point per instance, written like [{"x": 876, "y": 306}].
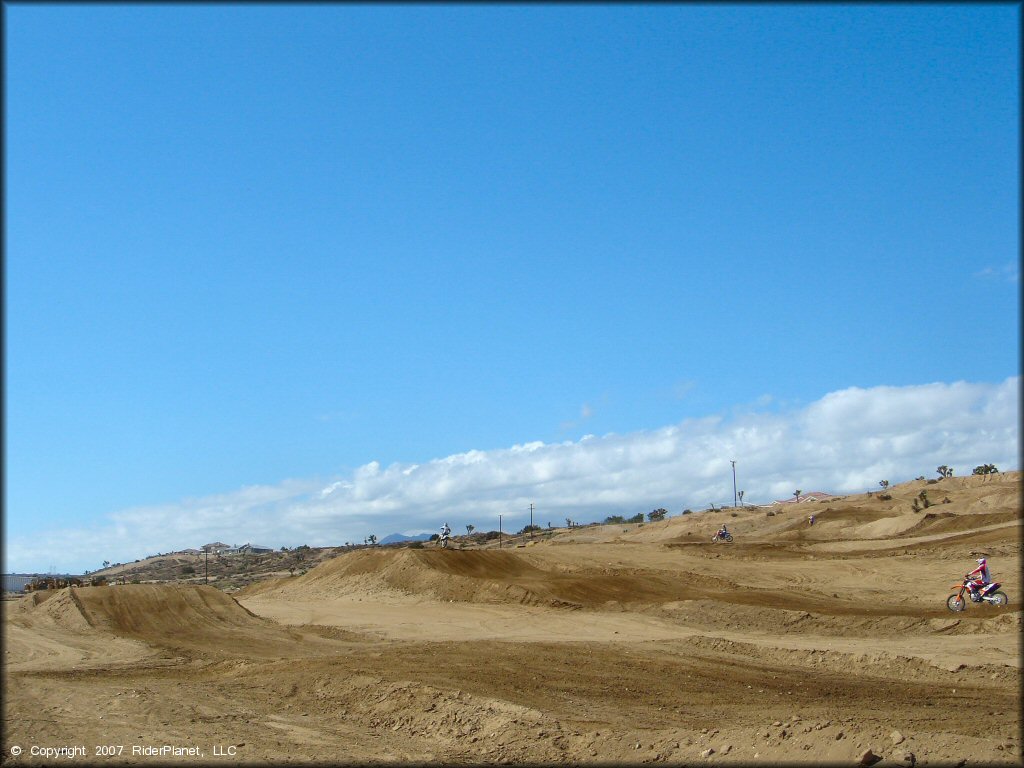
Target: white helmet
[{"x": 981, "y": 561}]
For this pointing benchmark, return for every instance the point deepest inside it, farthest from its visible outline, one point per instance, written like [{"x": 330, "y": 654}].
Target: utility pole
[
  {"x": 206, "y": 571},
  {"x": 499, "y": 530},
  {"x": 733, "y": 484},
  {"x": 531, "y": 521}
]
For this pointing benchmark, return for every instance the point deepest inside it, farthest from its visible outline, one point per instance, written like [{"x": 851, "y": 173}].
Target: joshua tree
[
  {"x": 470, "y": 528},
  {"x": 884, "y": 484},
  {"x": 740, "y": 494},
  {"x": 371, "y": 539},
  {"x": 986, "y": 469},
  {"x": 944, "y": 471},
  {"x": 796, "y": 495}
]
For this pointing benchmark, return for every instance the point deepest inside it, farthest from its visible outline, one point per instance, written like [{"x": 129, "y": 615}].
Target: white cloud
[
  {"x": 1010, "y": 272},
  {"x": 847, "y": 441}
]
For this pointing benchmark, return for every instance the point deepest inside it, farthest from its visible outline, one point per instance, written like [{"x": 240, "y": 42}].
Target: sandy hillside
[{"x": 597, "y": 645}]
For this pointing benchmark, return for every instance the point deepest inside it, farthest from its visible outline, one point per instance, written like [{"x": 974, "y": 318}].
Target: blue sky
[{"x": 296, "y": 274}]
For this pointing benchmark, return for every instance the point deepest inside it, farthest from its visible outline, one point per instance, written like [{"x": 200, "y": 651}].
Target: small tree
[
  {"x": 985, "y": 469},
  {"x": 568, "y": 523},
  {"x": 884, "y": 484},
  {"x": 796, "y": 495},
  {"x": 106, "y": 563},
  {"x": 944, "y": 471},
  {"x": 470, "y": 528},
  {"x": 371, "y": 539},
  {"x": 657, "y": 514}
]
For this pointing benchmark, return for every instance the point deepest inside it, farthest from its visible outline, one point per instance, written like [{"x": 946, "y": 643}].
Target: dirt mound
[
  {"x": 948, "y": 522},
  {"x": 149, "y": 611},
  {"x": 484, "y": 576}
]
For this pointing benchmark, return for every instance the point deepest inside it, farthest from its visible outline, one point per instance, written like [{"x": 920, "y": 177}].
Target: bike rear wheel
[
  {"x": 999, "y": 599},
  {"x": 956, "y": 603},
  {"x": 728, "y": 537}
]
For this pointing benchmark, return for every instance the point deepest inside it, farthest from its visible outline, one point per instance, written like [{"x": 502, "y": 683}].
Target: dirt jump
[{"x": 803, "y": 644}]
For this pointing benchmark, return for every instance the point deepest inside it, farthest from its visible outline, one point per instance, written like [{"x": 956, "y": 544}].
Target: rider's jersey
[{"x": 982, "y": 574}]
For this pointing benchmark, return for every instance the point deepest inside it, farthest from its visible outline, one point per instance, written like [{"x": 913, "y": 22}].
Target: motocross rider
[
  {"x": 445, "y": 531},
  {"x": 722, "y": 531},
  {"x": 980, "y": 577}
]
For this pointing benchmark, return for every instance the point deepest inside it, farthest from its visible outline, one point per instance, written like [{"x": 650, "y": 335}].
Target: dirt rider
[
  {"x": 445, "y": 531},
  {"x": 980, "y": 578},
  {"x": 723, "y": 531}
]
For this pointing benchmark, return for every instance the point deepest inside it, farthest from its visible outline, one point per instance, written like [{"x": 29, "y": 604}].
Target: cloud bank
[{"x": 845, "y": 442}]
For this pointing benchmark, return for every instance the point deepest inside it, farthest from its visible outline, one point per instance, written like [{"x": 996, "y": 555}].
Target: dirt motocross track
[{"x": 596, "y": 645}]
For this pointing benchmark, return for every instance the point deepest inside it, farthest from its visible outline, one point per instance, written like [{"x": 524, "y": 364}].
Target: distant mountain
[{"x": 395, "y": 538}]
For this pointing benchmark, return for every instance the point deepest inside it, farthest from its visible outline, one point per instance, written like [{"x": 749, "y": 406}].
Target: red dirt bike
[{"x": 988, "y": 595}]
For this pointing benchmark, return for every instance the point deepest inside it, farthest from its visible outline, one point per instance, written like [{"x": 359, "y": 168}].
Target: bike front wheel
[{"x": 956, "y": 603}]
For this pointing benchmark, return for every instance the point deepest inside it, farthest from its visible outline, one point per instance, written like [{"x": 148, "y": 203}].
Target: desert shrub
[
  {"x": 885, "y": 497},
  {"x": 615, "y": 520},
  {"x": 188, "y": 569},
  {"x": 770, "y": 513},
  {"x": 637, "y": 518},
  {"x": 735, "y": 514},
  {"x": 687, "y": 511}
]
